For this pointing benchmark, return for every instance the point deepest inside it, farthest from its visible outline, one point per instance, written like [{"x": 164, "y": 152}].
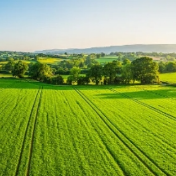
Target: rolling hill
[{"x": 164, "y": 48}]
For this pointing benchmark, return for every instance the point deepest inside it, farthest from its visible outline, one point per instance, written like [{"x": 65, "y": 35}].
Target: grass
[
  {"x": 5, "y": 62},
  {"x": 5, "y": 75},
  {"x": 107, "y": 59},
  {"x": 49, "y": 60},
  {"x": 41, "y": 60},
  {"x": 168, "y": 77},
  {"x": 9, "y": 75},
  {"x": 86, "y": 130}
]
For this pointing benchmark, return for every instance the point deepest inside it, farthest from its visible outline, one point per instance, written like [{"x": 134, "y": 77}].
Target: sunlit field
[
  {"x": 107, "y": 59},
  {"x": 49, "y": 60},
  {"x": 86, "y": 130},
  {"x": 168, "y": 77}
]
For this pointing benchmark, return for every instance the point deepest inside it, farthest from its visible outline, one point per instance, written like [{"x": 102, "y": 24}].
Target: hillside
[{"x": 164, "y": 48}]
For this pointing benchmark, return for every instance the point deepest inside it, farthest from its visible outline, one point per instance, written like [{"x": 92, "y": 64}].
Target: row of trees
[
  {"x": 17, "y": 69},
  {"x": 166, "y": 67},
  {"x": 6, "y": 55},
  {"x": 142, "y": 69}
]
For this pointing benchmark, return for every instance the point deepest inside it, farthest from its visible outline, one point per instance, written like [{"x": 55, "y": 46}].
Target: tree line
[
  {"x": 143, "y": 69},
  {"x": 167, "y": 67}
]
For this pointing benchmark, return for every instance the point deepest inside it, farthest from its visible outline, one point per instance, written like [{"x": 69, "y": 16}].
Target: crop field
[
  {"x": 86, "y": 130},
  {"x": 49, "y": 60}
]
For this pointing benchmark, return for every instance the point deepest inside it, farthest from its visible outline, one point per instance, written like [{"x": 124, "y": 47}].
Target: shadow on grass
[
  {"x": 169, "y": 92},
  {"x": 140, "y": 94},
  {"x": 14, "y": 83}
]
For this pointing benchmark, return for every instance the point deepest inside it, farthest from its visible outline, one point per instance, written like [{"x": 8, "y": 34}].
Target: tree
[
  {"x": 98, "y": 56},
  {"x": 162, "y": 67},
  {"x": 88, "y": 61},
  {"x": 81, "y": 64},
  {"x": 70, "y": 80},
  {"x": 58, "y": 80},
  {"x": 171, "y": 67},
  {"x": 103, "y": 54},
  {"x": 82, "y": 80},
  {"x": 126, "y": 61},
  {"x": 144, "y": 70},
  {"x": 10, "y": 65},
  {"x": 126, "y": 74},
  {"x": 95, "y": 73},
  {"x": 74, "y": 72},
  {"x": 19, "y": 69},
  {"x": 111, "y": 70},
  {"x": 40, "y": 71},
  {"x": 118, "y": 79}
]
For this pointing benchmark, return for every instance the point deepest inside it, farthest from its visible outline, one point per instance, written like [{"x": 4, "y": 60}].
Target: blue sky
[{"x": 29, "y": 25}]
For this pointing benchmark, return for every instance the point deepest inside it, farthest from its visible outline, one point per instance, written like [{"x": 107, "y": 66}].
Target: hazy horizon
[
  {"x": 43, "y": 25},
  {"x": 79, "y": 48}
]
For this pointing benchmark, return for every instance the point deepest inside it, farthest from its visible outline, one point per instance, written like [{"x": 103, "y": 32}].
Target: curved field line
[
  {"x": 158, "y": 137},
  {"x": 25, "y": 134},
  {"x": 146, "y": 105},
  {"x": 155, "y": 135},
  {"x": 105, "y": 144},
  {"x": 107, "y": 147},
  {"x": 101, "y": 114},
  {"x": 33, "y": 132}
]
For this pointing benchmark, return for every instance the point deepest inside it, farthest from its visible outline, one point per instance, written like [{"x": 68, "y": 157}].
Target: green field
[
  {"x": 26, "y": 61},
  {"x": 44, "y": 60},
  {"x": 168, "y": 77},
  {"x": 5, "y": 75},
  {"x": 86, "y": 130},
  {"x": 49, "y": 60},
  {"x": 106, "y": 59}
]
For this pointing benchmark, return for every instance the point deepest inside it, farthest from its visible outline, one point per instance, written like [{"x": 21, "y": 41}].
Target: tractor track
[
  {"x": 33, "y": 132},
  {"x": 155, "y": 135},
  {"x": 122, "y": 137},
  {"x": 115, "y": 159},
  {"x": 144, "y": 104},
  {"x": 26, "y": 130}
]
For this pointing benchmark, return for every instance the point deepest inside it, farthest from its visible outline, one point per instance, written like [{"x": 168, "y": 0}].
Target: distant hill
[{"x": 164, "y": 48}]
